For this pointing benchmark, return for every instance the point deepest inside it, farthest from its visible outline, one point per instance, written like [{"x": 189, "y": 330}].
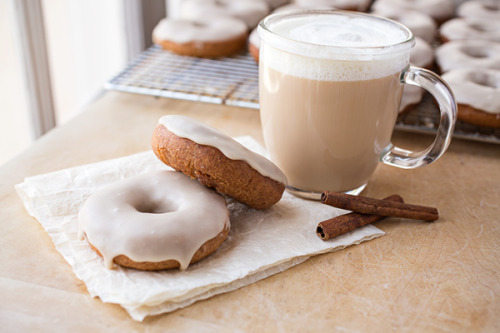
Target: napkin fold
[{"x": 260, "y": 243}]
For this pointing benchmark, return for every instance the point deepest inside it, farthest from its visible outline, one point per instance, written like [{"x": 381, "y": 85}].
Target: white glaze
[
  {"x": 249, "y": 11},
  {"x": 489, "y": 10},
  {"x": 439, "y": 10},
  {"x": 460, "y": 28},
  {"x": 200, "y": 133},
  {"x": 422, "y": 54},
  {"x": 422, "y": 25},
  {"x": 359, "y": 5},
  {"x": 202, "y": 29},
  {"x": 153, "y": 217},
  {"x": 468, "y": 53},
  {"x": 479, "y": 88}
]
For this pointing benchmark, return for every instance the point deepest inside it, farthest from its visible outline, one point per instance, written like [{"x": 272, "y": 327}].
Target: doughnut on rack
[{"x": 234, "y": 81}]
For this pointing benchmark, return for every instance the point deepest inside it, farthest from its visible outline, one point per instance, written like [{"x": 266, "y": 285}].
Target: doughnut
[
  {"x": 201, "y": 37},
  {"x": 249, "y": 11},
  {"x": 461, "y": 28},
  {"x": 439, "y": 10},
  {"x": 218, "y": 161},
  {"x": 468, "y": 53},
  {"x": 422, "y": 25},
  {"x": 489, "y": 10},
  {"x": 155, "y": 221},
  {"x": 477, "y": 92},
  {"x": 422, "y": 54},
  {"x": 254, "y": 44},
  {"x": 355, "y": 5}
]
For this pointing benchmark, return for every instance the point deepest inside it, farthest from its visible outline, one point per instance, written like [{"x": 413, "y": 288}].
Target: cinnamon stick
[
  {"x": 372, "y": 206},
  {"x": 342, "y": 224}
]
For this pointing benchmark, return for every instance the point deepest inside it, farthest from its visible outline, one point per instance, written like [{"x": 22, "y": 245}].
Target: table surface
[{"x": 441, "y": 276}]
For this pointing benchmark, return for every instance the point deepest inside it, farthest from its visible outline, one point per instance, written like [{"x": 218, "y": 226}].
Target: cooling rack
[{"x": 234, "y": 81}]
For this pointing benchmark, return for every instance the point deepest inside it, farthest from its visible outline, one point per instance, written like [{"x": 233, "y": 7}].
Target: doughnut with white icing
[
  {"x": 202, "y": 37},
  {"x": 468, "y": 28},
  {"x": 158, "y": 220},
  {"x": 355, "y": 5},
  {"x": 249, "y": 11},
  {"x": 218, "y": 161},
  {"x": 468, "y": 53},
  {"x": 439, "y": 10},
  {"x": 477, "y": 93},
  {"x": 486, "y": 10},
  {"x": 422, "y": 25}
]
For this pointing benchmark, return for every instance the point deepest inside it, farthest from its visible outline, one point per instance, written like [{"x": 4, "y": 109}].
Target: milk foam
[{"x": 334, "y": 47}]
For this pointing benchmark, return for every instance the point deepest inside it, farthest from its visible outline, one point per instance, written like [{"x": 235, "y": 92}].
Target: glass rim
[{"x": 265, "y": 31}]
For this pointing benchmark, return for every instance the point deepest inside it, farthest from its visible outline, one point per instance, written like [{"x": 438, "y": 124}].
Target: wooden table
[{"x": 423, "y": 277}]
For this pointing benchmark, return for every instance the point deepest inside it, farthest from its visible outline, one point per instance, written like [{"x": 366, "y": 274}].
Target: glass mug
[{"x": 330, "y": 85}]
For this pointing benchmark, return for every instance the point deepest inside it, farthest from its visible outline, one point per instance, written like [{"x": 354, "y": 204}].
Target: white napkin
[{"x": 260, "y": 243}]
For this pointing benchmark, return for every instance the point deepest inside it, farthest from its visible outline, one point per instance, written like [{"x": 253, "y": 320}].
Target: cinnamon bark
[
  {"x": 342, "y": 224},
  {"x": 372, "y": 206}
]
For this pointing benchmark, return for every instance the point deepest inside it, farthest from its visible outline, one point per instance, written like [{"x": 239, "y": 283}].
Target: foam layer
[{"x": 364, "y": 47}]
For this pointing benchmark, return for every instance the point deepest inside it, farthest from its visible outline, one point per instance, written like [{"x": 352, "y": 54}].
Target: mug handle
[{"x": 442, "y": 93}]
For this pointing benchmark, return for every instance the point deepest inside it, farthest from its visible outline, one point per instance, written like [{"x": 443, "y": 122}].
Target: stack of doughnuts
[
  {"x": 469, "y": 60},
  {"x": 170, "y": 219}
]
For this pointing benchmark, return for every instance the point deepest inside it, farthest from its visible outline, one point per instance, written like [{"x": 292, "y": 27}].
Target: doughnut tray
[{"x": 234, "y": 81}]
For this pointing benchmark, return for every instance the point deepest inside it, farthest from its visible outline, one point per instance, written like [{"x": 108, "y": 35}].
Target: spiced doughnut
[
  {"x": 155, "y": 221},
  {"x": 218, "y": 161},
  {"x": 468, "y": 53},
  {"x": 461, "y": 28},
  {"x": 249, "y": 11},
  {"x": 422, "y": 25},
  {"x": 477, "y": 92},
  {"x": 355, "y": 5},
  {"x": 201, "y": 37},
  {"x": 486, "y": 10},
  {"x": 439, "y": 10}
]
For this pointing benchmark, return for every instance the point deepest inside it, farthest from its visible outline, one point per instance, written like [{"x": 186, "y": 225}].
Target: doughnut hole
[
  {"x": 475, "y": 52},
  {"x": 156, "y": 207},
  {"x": 485, "y": 79}
]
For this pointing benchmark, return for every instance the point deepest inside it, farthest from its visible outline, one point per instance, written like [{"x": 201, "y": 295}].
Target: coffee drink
[{"x": 327, "y": 115}]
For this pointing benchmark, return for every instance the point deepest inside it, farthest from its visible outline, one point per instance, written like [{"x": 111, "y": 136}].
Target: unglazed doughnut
[
  {"x": 154, "y": 221},
  {"x": 461, "y": 28},
  {"x": 477, "y": 92},
  {"x": 489, "y": 10},
  {"x": 468, "y": 53},
  {"x": 356, "y": 5},
  {"x": 249, "y": 11},
  {"x": 201, "y": 37},
  {"x": 439, "y": 10},
  {"x": 218, "y": 161},
  {"x": 422, "y": 25}
]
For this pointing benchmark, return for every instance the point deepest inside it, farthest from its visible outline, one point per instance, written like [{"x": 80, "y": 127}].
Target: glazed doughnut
[
  {"x": 461, "y": 28},
  {"x": 202, "y": 37},
  {"x": 254, "y": 44},
  {"x": 356, "y": 5},
  {"x": 412, "y": 96},
  {"x": 439, "y": 10},
  {"x": 422, "y": 25},
  {"x": 249, "y": 11},
  {"x": 468, "y": 53},
  {"x": 489, "y": 10},
  {"x": 158, "y": 220},
  {"x": 218, "y": 161},
  {"x": 422, "y": 54},
  {"x": 477, "y": 93}
]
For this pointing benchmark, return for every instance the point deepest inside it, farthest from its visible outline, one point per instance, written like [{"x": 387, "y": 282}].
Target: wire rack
[{"x": 234, "y": 81}]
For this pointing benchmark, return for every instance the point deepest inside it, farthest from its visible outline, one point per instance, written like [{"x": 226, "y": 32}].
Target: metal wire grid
[
  {"x": 231, "y": 80},
  {"x": 234, "y": 81}
]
